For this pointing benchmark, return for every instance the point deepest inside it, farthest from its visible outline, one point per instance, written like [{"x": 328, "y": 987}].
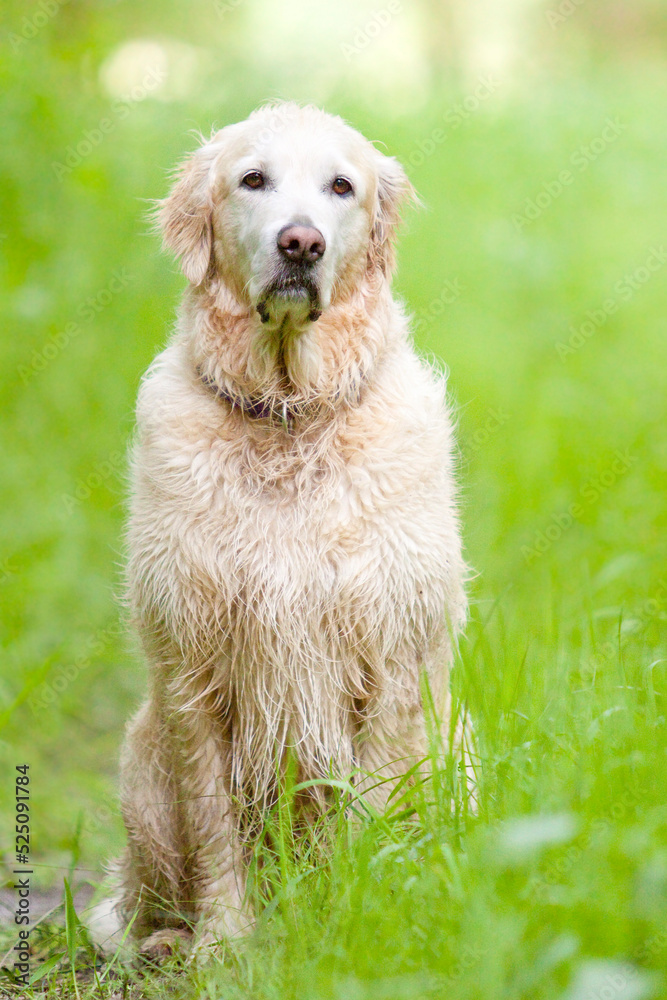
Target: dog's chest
[
  {"x": 353, "y": 538},
  {"x": 325, "y": 547}
]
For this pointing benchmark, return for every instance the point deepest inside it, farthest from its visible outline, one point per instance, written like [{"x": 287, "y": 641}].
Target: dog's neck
[
  {"x": 285, "y": 375},
  {"x": 257, "y": 408}
]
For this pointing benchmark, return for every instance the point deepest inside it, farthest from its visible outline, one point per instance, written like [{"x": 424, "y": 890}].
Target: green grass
[{"x": 558, "y": 886}]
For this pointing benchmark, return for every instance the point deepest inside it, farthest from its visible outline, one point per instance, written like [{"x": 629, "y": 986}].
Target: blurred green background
[{"x": 535, "y": 134}]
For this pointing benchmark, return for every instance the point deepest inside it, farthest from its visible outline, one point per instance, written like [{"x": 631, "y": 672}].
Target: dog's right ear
[
  {"x": 185, "y": 215},
  {"x": 394, "y": 190}
]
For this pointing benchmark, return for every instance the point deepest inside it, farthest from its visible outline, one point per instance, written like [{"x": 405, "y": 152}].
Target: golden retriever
[{"x": 295, "y": 561}]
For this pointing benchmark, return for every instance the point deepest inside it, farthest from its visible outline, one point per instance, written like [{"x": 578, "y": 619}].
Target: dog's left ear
[
  {"x": 185, "y": 215},
  {"x": 394, "y": 191}
]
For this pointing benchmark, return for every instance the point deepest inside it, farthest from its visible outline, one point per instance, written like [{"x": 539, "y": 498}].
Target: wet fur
[{"x": 289, "y": 584}]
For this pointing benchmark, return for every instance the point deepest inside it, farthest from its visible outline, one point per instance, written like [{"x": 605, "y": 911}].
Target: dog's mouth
[{"x": 293, "y": 291}]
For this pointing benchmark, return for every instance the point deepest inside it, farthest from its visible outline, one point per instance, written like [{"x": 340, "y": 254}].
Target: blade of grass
[
  {"x": 45, "y": 968},
  {"x": 71, "y": 927},
  {"x": 118, "y": 950}
]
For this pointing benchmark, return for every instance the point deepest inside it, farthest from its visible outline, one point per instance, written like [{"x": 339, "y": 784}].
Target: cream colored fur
[{"x": 290, "y": 583}]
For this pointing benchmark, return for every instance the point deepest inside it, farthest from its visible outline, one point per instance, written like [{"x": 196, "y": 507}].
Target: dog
[{"x": 295, "y": 564}]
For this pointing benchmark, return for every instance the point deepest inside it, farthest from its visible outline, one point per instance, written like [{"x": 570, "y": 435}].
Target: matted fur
[{"x": 290, "y": 581}]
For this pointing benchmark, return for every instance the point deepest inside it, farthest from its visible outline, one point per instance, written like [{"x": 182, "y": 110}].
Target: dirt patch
[{"x": 42, "y": 901}]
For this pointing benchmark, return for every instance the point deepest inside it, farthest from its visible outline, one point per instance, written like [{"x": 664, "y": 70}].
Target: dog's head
[{"x": 288, "y": 209}]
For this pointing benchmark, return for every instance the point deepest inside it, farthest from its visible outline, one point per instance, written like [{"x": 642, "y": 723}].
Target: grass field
[{"x": 545, "y": 297}]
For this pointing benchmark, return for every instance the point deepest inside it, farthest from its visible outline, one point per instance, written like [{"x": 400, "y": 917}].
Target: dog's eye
[
  {"x": 253, "y": 179},
  {"x": 341, "y": 186}
]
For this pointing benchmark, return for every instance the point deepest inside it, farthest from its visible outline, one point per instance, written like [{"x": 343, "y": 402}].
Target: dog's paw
[
  {"x": 206, "y": 949},
  {"x": 165, "y": 944}
]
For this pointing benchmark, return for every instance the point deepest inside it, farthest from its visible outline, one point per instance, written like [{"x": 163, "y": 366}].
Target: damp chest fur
[{"x": 298, "y": 553}]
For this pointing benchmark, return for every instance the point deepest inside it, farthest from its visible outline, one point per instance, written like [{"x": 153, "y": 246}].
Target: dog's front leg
[
  {"x": 409, "y": 727},
  {"x": 217, "y": 862},
  {"x": 391, "y": 743},
  {"x": 219, "y": 872},
  {"x": 397, "y": 727}
]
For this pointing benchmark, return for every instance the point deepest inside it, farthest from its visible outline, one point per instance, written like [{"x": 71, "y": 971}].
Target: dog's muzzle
[{"x": 299, "y": 250}]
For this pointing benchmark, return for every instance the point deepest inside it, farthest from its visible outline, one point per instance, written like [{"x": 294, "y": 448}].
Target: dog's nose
[{"x": 301, "y": 244}]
